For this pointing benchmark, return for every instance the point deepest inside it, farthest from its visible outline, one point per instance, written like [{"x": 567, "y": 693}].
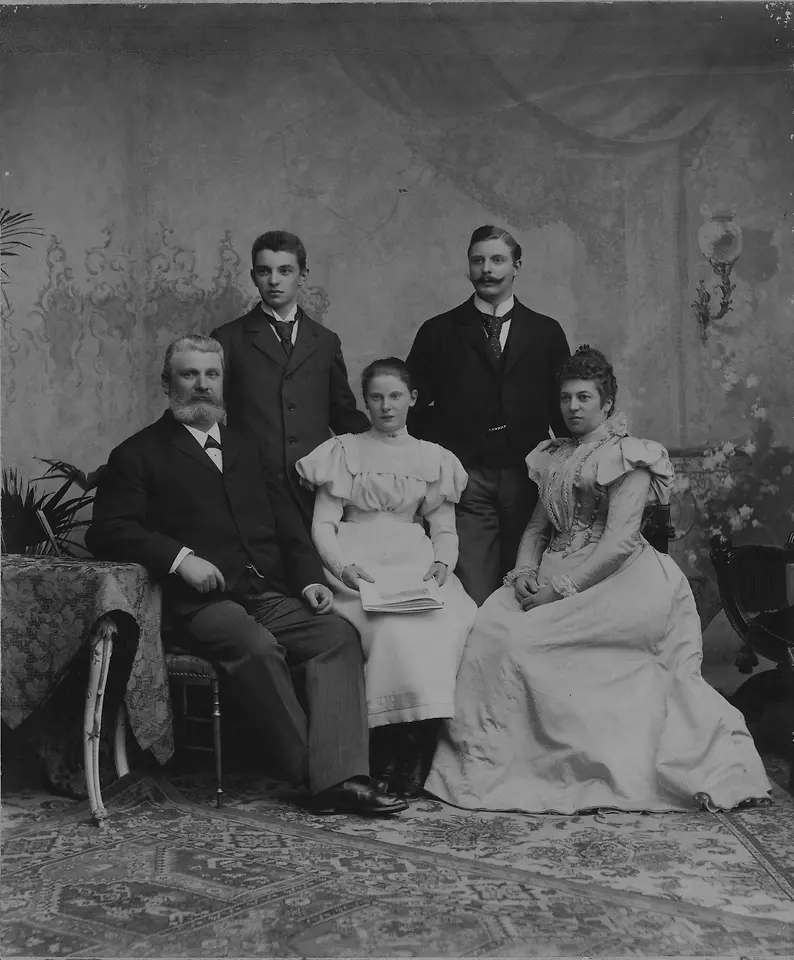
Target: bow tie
[
  {"x": 210, "y": 443},
  {"x": 284, "y": 330}
]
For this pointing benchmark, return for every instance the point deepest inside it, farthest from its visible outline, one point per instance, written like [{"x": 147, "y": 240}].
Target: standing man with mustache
[
  {"x": 286, "y": 380},
  {"x": 486, "y": 375}
]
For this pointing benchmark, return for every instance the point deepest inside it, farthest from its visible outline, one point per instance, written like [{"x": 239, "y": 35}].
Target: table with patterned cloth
[{"x": 52, "y": 608}]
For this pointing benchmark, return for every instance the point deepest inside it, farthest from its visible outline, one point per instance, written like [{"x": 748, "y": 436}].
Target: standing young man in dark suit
[
  {"x": 193, "y": 503},
  {"x": 486, "y": 373},
  {"x": 286, "y": 380}
]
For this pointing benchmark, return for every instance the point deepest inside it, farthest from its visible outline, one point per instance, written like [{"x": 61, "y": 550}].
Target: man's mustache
[{"x": 186, "y": 411}]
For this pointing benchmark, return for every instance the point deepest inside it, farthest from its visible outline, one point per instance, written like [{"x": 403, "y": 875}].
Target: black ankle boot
[
  {"x": 383, "y": 758},
  {"x": 416, "y": 758}
]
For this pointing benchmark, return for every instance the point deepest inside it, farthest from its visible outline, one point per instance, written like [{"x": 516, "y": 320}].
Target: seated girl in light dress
[
  {"x": 580, "y": 684},
  {"x": 376, "y": 494}
]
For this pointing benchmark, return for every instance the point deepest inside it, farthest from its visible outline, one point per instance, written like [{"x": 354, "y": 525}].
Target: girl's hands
[
  {"x": 352, "y": 573},
  {"x": 438, "y": 570}
]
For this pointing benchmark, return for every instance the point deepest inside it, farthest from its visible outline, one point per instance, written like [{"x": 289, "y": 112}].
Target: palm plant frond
[
  {"x": 67, "y": 471},
  {"x": 22, "y": 530},
  {"x": 12, "y": 227}
]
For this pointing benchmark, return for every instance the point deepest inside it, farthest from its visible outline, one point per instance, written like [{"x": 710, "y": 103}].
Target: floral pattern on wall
[
  {"x": 741, "y": 488},
  {"x": 89, "y": 354}
]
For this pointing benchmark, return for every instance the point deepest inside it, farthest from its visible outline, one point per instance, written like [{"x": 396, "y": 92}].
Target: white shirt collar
[
  {"x": 201, "y": 435},
  {"x": 292, "y": 315},
  {"x": 504, "y": 307}
]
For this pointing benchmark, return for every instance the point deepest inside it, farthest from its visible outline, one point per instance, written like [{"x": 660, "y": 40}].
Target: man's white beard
[{"x": 194, "y": 412}]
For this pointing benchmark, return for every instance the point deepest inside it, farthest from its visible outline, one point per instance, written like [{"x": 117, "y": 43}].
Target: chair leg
[
  {"x": 216, "y": 732},
  {"x": 99, "y": 665},
  {"x": 790, "y": 685},
  {"x": 120, "y": 743},
  {"x": 182, "y": 721}
]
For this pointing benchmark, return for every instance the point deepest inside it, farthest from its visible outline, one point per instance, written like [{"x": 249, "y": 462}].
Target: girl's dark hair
[
  {"x": 389, "y": 365},
  {"x": 590, "y": 364}
]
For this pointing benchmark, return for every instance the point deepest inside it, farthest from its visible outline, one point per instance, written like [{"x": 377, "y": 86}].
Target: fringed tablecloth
[{"x": 50, "y": 608}]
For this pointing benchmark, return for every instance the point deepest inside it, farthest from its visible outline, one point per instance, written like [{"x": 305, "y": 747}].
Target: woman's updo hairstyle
[
  {"x": 590, "y": 364},
  {"x": 390, "y": 366}
]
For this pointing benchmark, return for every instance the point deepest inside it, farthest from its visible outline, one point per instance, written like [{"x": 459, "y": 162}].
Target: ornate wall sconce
[{"x": 720, "y": 242}]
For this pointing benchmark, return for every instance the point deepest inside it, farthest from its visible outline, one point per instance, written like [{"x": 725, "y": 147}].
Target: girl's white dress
[
  {"x": 596, "y": 699},
  {"x": 374, "y": 493}
]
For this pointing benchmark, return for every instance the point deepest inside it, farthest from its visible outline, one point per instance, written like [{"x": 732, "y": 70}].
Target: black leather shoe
[
  {"x": 383, "y": 786},
  {"x": 357, "y": 796}
]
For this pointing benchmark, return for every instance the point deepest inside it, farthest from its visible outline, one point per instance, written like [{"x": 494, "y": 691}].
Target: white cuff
[
  {"x": 309, "y": 586},
  {"x": 184, "y": 552},
  {"x": 511, "y": 577},
  {"x": 564, "y": 586}
]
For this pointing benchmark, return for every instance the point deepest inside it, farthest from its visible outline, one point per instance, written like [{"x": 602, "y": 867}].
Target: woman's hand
[
  {"x": 438, "y": 570},
  {"x": 352, "y": 573},
  {"x": 526, "y": 586},
  {"x": 544, "y": 594}
]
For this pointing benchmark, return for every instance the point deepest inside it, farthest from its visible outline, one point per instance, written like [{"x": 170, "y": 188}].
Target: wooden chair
[
  {"x": 657, "y": 527},
  {"x": 752, "y": 584},
  {"x": 186, "y": 670}
]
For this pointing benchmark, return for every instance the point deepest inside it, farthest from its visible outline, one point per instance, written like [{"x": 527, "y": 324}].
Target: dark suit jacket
[
  {"x": 455, "y": 371},
  {"x": 287, "y": 403},
  {"x": 161, "y": 492}
]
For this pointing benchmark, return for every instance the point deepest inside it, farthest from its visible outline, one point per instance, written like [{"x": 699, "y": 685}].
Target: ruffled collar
[
  {"x": 394, "y": 437},
  {"x": 614, "y": 426}
]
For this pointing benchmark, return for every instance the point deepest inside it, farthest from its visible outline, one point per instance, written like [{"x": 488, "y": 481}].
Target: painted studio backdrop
[{"x": 152, "y": 145}]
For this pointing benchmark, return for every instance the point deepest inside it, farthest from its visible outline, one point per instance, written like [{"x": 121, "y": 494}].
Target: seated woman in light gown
[
  {"x": 375, "y": 491},
  {"x": 580, "y": 685}
]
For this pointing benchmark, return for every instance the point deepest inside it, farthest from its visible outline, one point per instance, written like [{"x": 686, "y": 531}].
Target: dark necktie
[
  {"x": 493, "y": 327},
  {"x": 284, "y": 330},
  {"x": 210, "y": 443}
]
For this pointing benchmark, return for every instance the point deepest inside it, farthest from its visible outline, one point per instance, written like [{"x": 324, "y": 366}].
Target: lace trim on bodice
[{"x": 563, "y": 494}]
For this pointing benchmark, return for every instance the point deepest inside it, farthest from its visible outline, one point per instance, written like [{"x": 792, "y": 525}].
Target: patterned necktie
[
  {"x": 284, "y": 330},
  {"x": 493, "y": 327}
]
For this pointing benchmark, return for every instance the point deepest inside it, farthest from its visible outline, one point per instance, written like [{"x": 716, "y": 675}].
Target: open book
[{"x": 393, "y": 592}]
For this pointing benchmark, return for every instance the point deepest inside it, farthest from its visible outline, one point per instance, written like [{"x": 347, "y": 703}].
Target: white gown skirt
[
  {"x": 411, "y": 659},
  {"x": 594, "y": 701}
]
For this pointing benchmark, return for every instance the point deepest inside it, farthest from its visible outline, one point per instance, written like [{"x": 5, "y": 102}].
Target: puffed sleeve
[
  {"x": 538, "y": 460},
  {"x": 438, "y": 507},
  {"x": 332, "y": 466},
  {"x": 631, "y": 453},
  {"x": 449, "y": 478}
]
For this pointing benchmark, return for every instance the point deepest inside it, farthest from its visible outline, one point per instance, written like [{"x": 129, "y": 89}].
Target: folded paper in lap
[{"x": 400, "y": 594}]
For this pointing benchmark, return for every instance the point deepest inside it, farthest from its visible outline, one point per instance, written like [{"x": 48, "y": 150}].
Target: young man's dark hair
[{"x": 278, "y": 241}]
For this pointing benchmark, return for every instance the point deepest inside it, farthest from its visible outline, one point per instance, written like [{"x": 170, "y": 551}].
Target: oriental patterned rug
[{"x": 171, "y": 877}]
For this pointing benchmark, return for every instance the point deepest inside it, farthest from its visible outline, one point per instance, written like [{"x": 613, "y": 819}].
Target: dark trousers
[
  {"x": 304, "y": 501},
  {"x": 491, "y": 517},
  {"x": 297, "y": 676}
]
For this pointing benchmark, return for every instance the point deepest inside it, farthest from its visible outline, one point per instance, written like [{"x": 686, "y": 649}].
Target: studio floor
[{"x": 171, "y": 876}]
